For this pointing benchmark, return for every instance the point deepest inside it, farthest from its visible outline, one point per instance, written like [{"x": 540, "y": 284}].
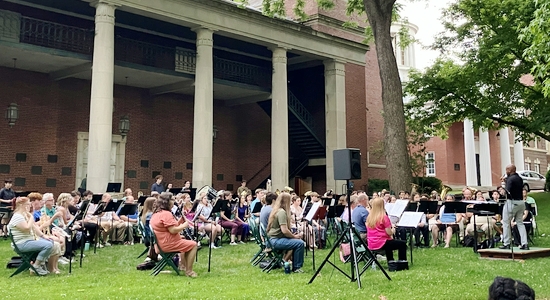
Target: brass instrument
[
  {"x": 473, "y": 190},
  {"x": 288, "y": 189},
  {"x": 414, "y": 188},
  {"x": 444, "y": 191}
]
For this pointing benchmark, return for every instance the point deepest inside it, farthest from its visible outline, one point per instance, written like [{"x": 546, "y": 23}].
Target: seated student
[
  {"x": 423, "y": 227},
  {"x": 207, "y": 223},
  {"x": 380, "y": 232},
  {"x": 319, "y": 226},
  {"x": 227, "y": 222},
  {"x": 129, "y": 219},
  {"x": 113, "y": 226},
  {"x": 28, "y": 236},
  {"x": 527, "y": 219},
  {"x": 359, "y": 215},
  {"x": 510, "y": 289},
  {"x": 266, "y": 209},
  {"x": 241, "y": 216},
  {"x": 280, "y": 236},
  {"x": 167, "y": 230},
  {"x": 445, "y": 222}
]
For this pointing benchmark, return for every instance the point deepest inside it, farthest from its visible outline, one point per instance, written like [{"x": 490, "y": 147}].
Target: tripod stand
[{"x": 351, "y": 234}]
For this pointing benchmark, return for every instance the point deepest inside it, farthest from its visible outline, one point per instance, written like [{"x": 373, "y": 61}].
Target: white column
[
  {"x": 505, "y": 157},
  {"x": 101, "y": 100},
  {"x": 485, "y": 158},
  {"x": 335, "y": 122},
  {"x": 519, "y": 160},
  {"x": 470, "y": 153},
  {"x": 279, "y": 120},
  {"x": 203, "y": 123}
]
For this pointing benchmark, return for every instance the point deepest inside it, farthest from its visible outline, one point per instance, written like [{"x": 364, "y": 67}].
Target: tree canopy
[{"x": 484, "y": 72}]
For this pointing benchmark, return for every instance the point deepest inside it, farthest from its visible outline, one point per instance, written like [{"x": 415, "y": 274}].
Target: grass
[{"x": 455, "y": 273}]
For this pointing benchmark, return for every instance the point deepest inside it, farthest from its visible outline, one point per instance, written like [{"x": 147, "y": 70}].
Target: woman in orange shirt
[{"x": 167, "y": 230}]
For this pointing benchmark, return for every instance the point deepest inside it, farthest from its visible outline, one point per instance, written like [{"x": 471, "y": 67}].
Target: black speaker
[{"x": 347, "y": 164}]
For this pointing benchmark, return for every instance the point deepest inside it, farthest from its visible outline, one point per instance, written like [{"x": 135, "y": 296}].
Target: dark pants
[
  {"x": 398, "y": 245},
  {"x": 236, "y": 229},
  {"x": 425, "y": 233}
]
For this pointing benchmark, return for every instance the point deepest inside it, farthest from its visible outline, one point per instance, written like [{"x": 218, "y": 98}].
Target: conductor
[{"x": 513, "y": 208}]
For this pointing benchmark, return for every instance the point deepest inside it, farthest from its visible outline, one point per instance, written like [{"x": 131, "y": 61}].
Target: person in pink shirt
[{"x": 380, "y": 232}]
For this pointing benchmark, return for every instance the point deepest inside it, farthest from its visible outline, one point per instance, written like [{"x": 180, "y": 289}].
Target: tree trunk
[{"x": 379, "y": 14}]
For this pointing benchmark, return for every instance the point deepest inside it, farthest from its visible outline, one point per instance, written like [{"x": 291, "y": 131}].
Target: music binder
[
  {"x": 128, "y": 209},
  {"x": 428, "y": 207}
]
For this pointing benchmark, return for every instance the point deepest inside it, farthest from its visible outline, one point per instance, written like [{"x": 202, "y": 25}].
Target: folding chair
[
  {"x": 167, "y": 258},
  {"x": 145, "y": 236},
  {"x": 276, "y": 256},
  {"x": 26, "y": 258},
  {"x": 261, "y": 254}
]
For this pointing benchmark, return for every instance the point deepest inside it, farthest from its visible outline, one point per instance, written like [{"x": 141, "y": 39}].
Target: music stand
[
  {"x": 23, "y": 193},
  {"x": 484, "y": 210},
  {"x": 428, "y": 207},
  {"x": 114, "y": 187},
  {"x": 175, "y": 191},
  {"x": 98, "y": 211}
]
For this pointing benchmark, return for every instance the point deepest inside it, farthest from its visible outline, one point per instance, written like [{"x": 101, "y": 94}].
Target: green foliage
[
  {"x": 536, "y": 36},
  {"x": 376, "y": 185},
  {"x": 547, "y": 183},
  {"x": 478, "y": 76},
  {"x": 427, "y": 184}
]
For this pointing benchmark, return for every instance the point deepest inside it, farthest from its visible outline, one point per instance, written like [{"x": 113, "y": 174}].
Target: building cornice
[{"x": 247, "y": 24}]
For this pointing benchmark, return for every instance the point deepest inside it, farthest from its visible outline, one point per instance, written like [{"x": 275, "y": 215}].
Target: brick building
[{"x": 212, "y": 93}]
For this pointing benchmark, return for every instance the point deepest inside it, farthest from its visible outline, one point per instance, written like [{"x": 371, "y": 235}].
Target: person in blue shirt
[
  {"x": 359, "y": 215},
  {"x": 260, "y": 194},
  {"x": 157, "y": 186}
]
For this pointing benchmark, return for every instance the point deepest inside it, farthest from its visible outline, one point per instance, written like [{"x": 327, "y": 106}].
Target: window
[
  {"x": 430, "y": 164},
  {"x": 527, "y": 167},
  {"x": 537, "y": 168}
]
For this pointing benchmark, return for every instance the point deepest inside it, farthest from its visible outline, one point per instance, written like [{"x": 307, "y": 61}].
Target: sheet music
[
  {"x": 396, "y": 209},
  {"x": 410, "y": 219},
  {"x": 313, "y": 210}
]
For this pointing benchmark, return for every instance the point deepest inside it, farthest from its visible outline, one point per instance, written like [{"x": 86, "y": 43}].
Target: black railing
[
  {"x": 57, "y": 36},
  {"x": 241, "y": 72},
  {"x": 300, "y": 111},
  {"x": 80, "y": 40}
]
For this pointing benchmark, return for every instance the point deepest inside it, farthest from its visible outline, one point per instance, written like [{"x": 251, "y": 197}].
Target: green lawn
[{"x": 455, "y": 273}]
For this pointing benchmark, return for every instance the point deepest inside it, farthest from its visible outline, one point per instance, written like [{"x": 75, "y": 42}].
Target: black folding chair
[{"x": 26, "y": 258}]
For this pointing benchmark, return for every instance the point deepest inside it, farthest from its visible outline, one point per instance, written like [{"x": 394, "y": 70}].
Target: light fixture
[
  {"x": 12, "y": 114},
  {"x": 214, "y": 133},
  {"x": 124, "y": 125},
  {"x": 498, "y": 135}
]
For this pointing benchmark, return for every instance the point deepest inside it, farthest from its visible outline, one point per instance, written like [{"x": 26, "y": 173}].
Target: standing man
[
  {"x": 157, "y": 186},
  {"x": 513, "y": 209},
  {"x": 243, "y": 188}
]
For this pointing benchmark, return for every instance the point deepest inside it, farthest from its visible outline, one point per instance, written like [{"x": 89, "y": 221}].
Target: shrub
[
  {"x": 547, "y": 184},
  {"x": 376, "y": 185}
]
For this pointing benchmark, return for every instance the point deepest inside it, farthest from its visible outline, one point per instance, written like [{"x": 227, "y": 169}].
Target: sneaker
[
  {"x": 299, "y": 270},
  {"x": 41, "y": 269},
  {"x": 241, "y": 242},
  {"x": 233, "y": 244},
  {"x": 107, "y": 244},
  {"x": 63, "y": 261},
  {"x": 99, "y": 246},
  {"x": 252, "y": 239},
  {"x": 380, "y": 257},
  {"x": 214, "y": 246}
]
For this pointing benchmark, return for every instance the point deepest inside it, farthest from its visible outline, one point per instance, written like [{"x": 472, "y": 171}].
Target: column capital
[
  {"x": 113, "y": 3},
  {"x": 105, "y": 11},
  {"x": 334, "y": 67},
  {"x": 204, "y": 36},
  {"x": 279, "y": 55}
]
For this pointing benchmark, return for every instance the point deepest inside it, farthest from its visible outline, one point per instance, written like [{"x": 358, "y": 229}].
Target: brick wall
[{"x": 51, "y": 113}]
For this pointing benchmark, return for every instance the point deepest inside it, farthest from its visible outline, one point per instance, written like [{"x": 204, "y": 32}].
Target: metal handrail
[
  {"x": 54, "y": 35},
  {"x": 300, "y": 111},
  {"x": 241, "y": 72}
]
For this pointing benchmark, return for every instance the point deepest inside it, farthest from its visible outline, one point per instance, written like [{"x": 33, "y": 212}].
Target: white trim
[{"x": 428, "y": 163}]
